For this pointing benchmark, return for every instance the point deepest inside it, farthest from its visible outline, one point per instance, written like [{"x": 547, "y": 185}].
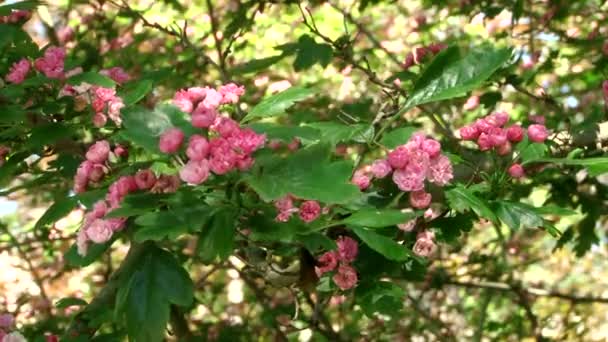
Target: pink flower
[
  {"x": 171, "y": 140},
  {"x": 419, "y": 54},
  {"x": 498, "y": 136},
  {"x": 118, "y": 74},
  {"x": 436, "y": 48},
  {"x": 346, "y": 277},
  {"x": 97, "y": 172},
  {"x": 212, "y": 99},
  {"x": 294, "y": 144},
  {"x": 472, "y": 103},
  {"x": 408, "y": 181},
  {"x": 222, "y": 157},
  {"x": 246, "y": 140},
  {"x": 409, "y": 61},
  {"x": 485, "y": 142},
  {"x": 198, "y": 147},
  {"x": 537, "y": 133},
  {"x": 347, "y": 249},
  {"x": 105, "y": 94},
  {"x": 361, "y": 179},
  {"x": 424, "y": 247},
  {"x": 381, "y": 168},
  {"x": 99, "y": 231},
  {"x": 121, "y": 151},
  {"x": 14, "y": 337},
  {"x": 516, "y": 171},
  {"x": 440, "y": 171},
  {"x": 420, "y": 199},
  {"x": 515, "y": 133},
  {"x": 469, "y": 132},
  {"x": 51, "y": 64},
  {"x": 18, "y": 71},
  {"x": 98, "y": 152},
  {"x": 195, "y": 172},
  {"x": 327, "y": 263},
  {"x": 99, "y": 119},
  {"x": 65, "y": 34},
  {"x": 203, "y": 118},
  {"x": 432, "y": 147},
  {"x": 226, "y": 127},
  {"x": 539, "y": 119},
  {"x": 504, "y": 149},
  {"x": 231, "y": 93},
  {"x": 309, "y": 211},
  {"x": 145, "y": 179},
  {"x": 275, "y": 144},
  {"x": 98, "y": 104},
  {"x": 166, "y": 184},
  {"x": 196, "y": 94},
  {"x": 483, "y": 125},
  {"x": 398, "y": 157},
  {"x": 181, "y": 100},
  {"x": 498, "y": 119},
  {"x": 6, "y": 320},
  {"x": 407, "y": 226},
  {"x": 426, "y": 234}
]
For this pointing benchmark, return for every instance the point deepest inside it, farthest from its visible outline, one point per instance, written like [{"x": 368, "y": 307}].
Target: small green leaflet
[
  {"x": 383, "y": 245},
  {"x": 277, "y": 104},
  {"x": 376, "y": 218},
  {"x": 517, "y": 214},
  {"x": 398, "y": 136},
  {"x": 462, "y": 199},
  {"x": 92, "y": 78},
  {"x": 595, "y": 166}
]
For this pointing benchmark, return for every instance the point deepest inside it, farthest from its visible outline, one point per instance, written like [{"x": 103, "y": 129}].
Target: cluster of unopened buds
[
  {"x": 491, "y": 133},
  {"x": 224, "y": 147},
  {"x": 418, "y": 160},
  {"x": 345, "y": 276},
  {"x": 95, "y": 167},
  {"x": 308, "y": 210},
  {"x": 418, "y": 55},
  {"x": 15, "y": 16}
]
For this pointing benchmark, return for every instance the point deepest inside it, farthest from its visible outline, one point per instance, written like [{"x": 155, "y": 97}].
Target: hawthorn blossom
[
  {"x": 346, "y": 277},
  {"x": 18, "y": 71},
  {"x": 516, "y": 171},
  {"x": 420, "y": 199},
  {"x": 52, "y": 63},
  {"x": 347, "y": 249},
  {"x": 198, "y": 147},
  {"x": 381, "y": 168},
  {"x": 537, "y": 133},
  {"x": 98, "y": 152},
  {"x": 171, "y": 140},
  {"x": 327, "y": 263},
  {"x": 309, "y": 211},
  {"x": 195, "y": 171},
  {"x": 145, "y": 179}
]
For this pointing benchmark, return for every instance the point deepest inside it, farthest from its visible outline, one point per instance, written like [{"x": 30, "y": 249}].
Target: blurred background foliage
[{"x": 538, "y": 288}]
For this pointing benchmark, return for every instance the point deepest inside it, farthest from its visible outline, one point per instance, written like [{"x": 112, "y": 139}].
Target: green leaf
[
  {"x": 157, "y": 282},
  {"x": 94, "y": 252},
  {"x": 308, "y": 174},
  {"x": 516, "y": 214},
  {"x": 93, "y": 78},
  {"x": 334, "y": 132},
  {"x": 70, "y": 301},
  {"x": 12, "y": 114},
  {"x": 551, "y": 209},
  {"x": 143, "y": 127},
  {"x": 397, "y": 136},
  {"x": 217, "y": 239},
  {"x": 532, "y": 152},
  {"x": 21, "y": 5},
  {"x": 310, "y": 53},
  {"x": 48, "y": 133},
  {"x": 256, "y": 65},
  {"x": 377, "y": 218},
  {"x": 277, "y": 104},
  {"x": 380, "y": 297},
  {"x": 450, "y": 74},
  {"x": 462, "y": 199},
  {"x": 383, "y": 245},
  {"x": 56, "y": 211},
  {"x": 285, "y": 133},
  {"x": 136, "y": 91}
]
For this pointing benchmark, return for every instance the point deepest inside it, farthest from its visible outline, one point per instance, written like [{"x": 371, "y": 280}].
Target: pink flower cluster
[
  {"x": 490, "y": 133},
  {"x": 97, "y": 229},
  {"x": 95, "y": 167},
  {"x": 418, "y": 160},
  {"x": 425, "y": 243},
  {"x": 419, "y": 53},
  {"x": 230, "y": 147},
  {"x": 106, "y": 104},
  {"x": 118, "y": 74},
  {"x": 15, "y": 17},
  {"x": 346, "y": 276},
  {"x": 52, "y": 63},
  {"x": 18, "y": 71},
  {"x": 308, "y": 210}
]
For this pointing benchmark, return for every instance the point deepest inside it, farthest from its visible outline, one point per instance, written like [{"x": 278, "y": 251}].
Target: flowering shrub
[{"x": 338, "y": 196}]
